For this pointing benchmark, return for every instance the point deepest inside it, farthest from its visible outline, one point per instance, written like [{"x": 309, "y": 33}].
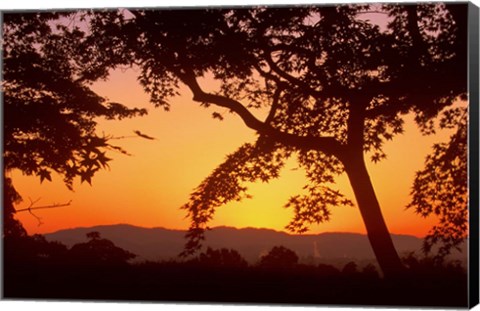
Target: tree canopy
[
  {"x": 99, "y": 251},
  {"x": 335, "y": 85},
  {"x": 221, "y": 258},
  {"x": 441, "y": 189},
  {"x": 279, "y": 257},
  {"x": 50, "y": 111}
]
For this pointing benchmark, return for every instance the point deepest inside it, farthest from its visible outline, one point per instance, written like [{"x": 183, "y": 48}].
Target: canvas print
[{"x": 310, "y": 155}]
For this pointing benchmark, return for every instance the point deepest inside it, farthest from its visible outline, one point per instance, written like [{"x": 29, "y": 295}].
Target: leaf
[
  {"x": 144, "y": 135},
  {"x": 44, "y": 174},
  {"x": 102, "y": 160},
  {"x": 217, "y": 115},
  {"x": 119, "y": 149},
  {"x": 87, "y": 176}
]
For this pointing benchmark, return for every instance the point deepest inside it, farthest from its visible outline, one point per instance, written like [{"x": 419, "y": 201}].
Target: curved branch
[
  {"x": 328, "y": 145},
  {"x": 275, "y": 103},
  {"x": 291, "y": 79},
  {"x": 268, "y": 75}
]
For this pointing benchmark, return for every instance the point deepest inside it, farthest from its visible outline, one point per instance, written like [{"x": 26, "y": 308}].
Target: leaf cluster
[
  {"x": 220, "y": 258},
  {"x": 279, "y": 257},
  {"x": 314, "y": 206},
  {"x": 249, "y": 163},
  {"x": 51, "y": 113},
  {"x": 441, "y": 188}
]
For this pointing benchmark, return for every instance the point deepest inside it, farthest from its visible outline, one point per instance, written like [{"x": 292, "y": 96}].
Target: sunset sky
[{"x": 148, "y": 188}]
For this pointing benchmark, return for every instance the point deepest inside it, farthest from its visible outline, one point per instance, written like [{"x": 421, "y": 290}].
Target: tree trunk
[{"x": 377, "y": 231}]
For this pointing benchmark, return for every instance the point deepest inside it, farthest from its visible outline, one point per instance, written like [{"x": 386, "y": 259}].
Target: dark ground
[
  {"x": 57, "y": 275},
  {"x": 186, "y": 282}
]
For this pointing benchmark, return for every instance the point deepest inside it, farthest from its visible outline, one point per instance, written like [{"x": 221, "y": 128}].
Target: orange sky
[{"x": 148, "y": 188}]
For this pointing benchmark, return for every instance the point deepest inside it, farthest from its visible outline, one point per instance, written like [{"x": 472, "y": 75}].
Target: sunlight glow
[{"x": 149, "y": 187}]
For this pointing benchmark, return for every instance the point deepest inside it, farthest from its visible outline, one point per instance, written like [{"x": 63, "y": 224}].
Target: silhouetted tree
[
  {"x": 29, "y": 250},
  {"x": 350, "y": 269},
  {"x": 279, "y": 257},
  {"x": 336, "y": 87},
  {"x": 50, "y": 112},
  {"x": 432, "y": 269},
  {"x": 98, "y": 251},
  {"x": 223, "y": 257},
  {"x": 370, "y": 272},
  {"x": 94, "y": 235},
  {"x": 441, "y": 188},
  {"x": 327, "y": 270}
]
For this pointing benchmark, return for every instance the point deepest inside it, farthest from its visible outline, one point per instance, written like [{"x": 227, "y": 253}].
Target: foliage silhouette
[
  {"x": 350, "y": 268},
  {"x": 328, "y": 270},
  {"x": 370, "y": 272},
  {"x": 441, "y": 188},
  {"x": 98, "y": 251},
  {"x": 26, "y": 250},
  {"x": 50, "y": 112},
  {"x": 221, "y": 258},
  {"x": 430, "y": 269},
  {"x": 51, "y": 273},
  {"x": 279, "y": 257},
  {"x": 335, "y": 86}
]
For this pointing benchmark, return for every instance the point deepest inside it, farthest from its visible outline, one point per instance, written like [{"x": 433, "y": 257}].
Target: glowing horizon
[{"x": 148, "y": 188}]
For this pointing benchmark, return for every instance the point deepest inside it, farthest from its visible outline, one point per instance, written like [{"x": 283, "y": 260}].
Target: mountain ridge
[
  {"x": 159, "y": 243},
  {"x": 221, "y": 227}
]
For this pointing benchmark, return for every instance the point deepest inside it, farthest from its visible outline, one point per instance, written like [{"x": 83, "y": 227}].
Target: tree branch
[
  {"x": 276, "y": 98},
  {"x": 420, "y": 48},
  {"x": 393, "y": 108},
  {"x": 268, "y": 75},
  {"x": 291, "y": 79},
  {"x": 328, "y": 145},
  {"x": 55, "y": 205},
  {"x": 31, "y": 207},
  {"x": 288, "y": 47}
]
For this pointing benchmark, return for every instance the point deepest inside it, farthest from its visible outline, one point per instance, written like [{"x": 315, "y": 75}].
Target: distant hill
[{"x": 163, "y": 244}]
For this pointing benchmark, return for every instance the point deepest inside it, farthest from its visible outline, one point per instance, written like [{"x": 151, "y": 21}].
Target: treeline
[{"x": 99, "y": 270}]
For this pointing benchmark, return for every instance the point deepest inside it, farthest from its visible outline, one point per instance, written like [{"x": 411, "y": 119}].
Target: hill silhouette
[
  {"x": 96, "y": 268},
  {"x": 162, "y": 244}
]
